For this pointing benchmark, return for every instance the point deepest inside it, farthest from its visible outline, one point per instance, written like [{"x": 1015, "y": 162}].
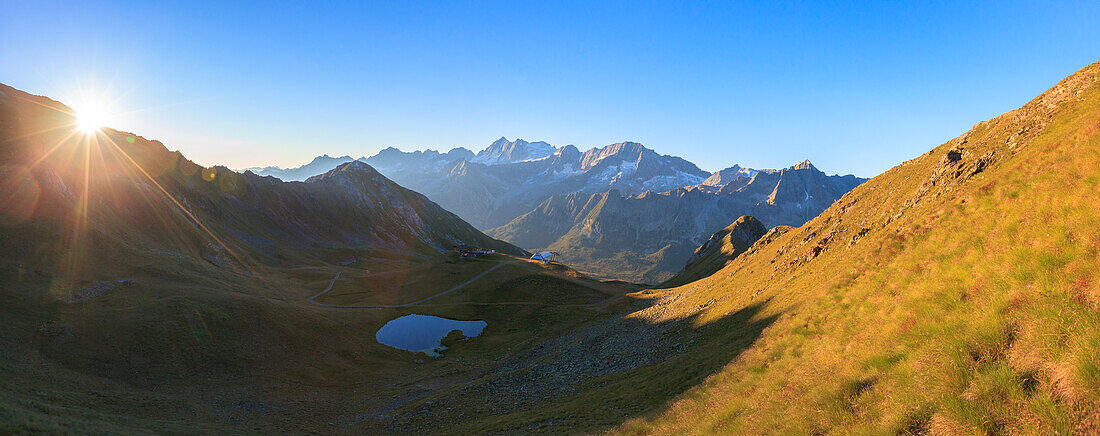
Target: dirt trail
[{"x": 392, "y": 306}]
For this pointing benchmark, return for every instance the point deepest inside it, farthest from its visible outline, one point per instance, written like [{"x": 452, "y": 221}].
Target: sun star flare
[{"x": 90, "y": 119}]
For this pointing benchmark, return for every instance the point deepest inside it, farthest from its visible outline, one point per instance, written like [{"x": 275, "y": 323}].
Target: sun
[{"x": 90, "y": 119}]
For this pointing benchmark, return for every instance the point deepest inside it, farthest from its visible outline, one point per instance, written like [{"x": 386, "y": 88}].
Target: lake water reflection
[{"x": 424, "y": 333}]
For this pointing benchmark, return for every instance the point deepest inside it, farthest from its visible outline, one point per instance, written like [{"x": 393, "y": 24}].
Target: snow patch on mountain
[
  {"x": 669, "y": 182},
  {"x": 503, "y": 151}
]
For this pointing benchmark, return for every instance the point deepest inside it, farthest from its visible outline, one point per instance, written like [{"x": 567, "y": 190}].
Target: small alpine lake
[{"x": 424, "y": 333}]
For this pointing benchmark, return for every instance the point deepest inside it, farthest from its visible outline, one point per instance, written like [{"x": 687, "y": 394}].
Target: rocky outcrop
[
  {"x": 722, "y": 247},
  {"x": 744, "y": 232}
]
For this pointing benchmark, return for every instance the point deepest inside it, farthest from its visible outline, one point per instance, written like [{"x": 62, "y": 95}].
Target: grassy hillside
[
  {"x": 179, "y": 356},
  {"x": 956, "y": 293},
  {"x": 211, "y": 329}
]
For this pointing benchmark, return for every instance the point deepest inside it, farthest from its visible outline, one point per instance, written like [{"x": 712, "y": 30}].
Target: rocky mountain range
[
  {"x": 647, "y": 237},
  {"x": 511, "y": 178},
  {"x": 621, "y": 211},
  {"x": 504, "y": 151}
]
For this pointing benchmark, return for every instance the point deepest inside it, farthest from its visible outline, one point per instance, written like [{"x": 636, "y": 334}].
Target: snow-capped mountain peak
[{"x": 504, "y": 151}]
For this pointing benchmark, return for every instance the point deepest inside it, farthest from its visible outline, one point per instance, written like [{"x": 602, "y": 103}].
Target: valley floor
[{"x": 315, "y": 364}]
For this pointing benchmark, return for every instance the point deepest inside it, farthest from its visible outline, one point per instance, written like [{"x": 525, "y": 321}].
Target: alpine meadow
[{"x": 230, "y": 219}]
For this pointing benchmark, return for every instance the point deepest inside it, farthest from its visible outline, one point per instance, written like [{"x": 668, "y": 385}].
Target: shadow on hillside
[{"x": 594, "y": 377}]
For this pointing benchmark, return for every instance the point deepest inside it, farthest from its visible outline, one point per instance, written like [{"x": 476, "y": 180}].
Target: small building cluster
[
  {"x": 545, "y": 256},
  {"x": 472, "y": 251}
]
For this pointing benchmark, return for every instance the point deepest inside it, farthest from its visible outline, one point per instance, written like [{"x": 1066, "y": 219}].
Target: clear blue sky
[{"x": 855, "y": 88}]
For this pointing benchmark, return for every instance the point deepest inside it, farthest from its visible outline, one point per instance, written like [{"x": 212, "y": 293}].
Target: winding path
[{"x": 392, "y": 306}]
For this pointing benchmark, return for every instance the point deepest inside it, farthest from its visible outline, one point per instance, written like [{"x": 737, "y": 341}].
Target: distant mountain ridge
[
  {"x": 319, "y": 165},
  {"x": 724, "y": 177},
  {"x": 509, "y": 178},
  {"x": 538, "y": 196}
]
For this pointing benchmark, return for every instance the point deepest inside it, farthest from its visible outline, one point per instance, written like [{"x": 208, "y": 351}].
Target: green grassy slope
[
  {"x": 956, "y": 293},
  {"x": 179, "y": 356}
]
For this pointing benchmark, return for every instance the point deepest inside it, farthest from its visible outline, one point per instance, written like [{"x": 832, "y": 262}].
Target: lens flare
[{"x": 90, "y": 119}]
